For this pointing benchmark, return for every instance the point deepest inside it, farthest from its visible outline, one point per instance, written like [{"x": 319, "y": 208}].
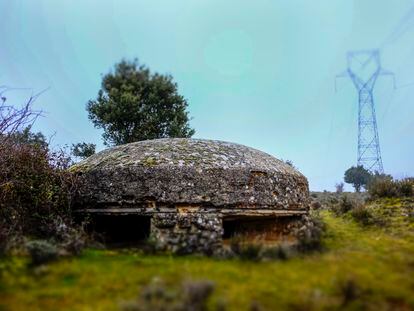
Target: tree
[
  {"x": 26, "y": 136},
  {"x": 83, "y": 150},
  {"x": 134, "y": 104},
  {"x": 357, "y": 176}
]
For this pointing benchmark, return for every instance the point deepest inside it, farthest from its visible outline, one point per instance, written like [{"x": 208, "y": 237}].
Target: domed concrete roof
[{"x": 173, "y": 171}]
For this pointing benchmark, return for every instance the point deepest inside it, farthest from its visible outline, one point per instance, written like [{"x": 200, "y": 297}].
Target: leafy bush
[
  {"x": 35, "y": 192},
  {"x": 41, "y": 252},
  {"x": 384, "y": 186},
  {"x": 362, "y": 215},
  {"x": 310, "y": 236},
  {"x": 356, "y": 209},
  {"x": 406, "y": 187},
  {"x": 345, "y": 204}
]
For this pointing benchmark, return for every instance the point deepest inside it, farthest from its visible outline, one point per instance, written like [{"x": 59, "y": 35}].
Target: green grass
[{"x": 363, "y": 268}]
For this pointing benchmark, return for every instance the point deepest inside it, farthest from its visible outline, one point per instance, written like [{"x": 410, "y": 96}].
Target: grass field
[{"x": 362, "y": 268}]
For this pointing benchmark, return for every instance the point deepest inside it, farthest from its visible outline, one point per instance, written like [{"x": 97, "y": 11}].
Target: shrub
[
  {"x": 406, "y": 187},
  {"x": 282, "y": 251},
  {"x": 362, "y": 215},
  {"x": 245, "y": 250},
  {"x": 35, "y": 191},
  {"x": 192, "y": 296},
  {"x": 344, "y": 205},
  {"x": 41, "y": 252},
  {"x": 310, "y": 235},
  {"x": 349, "y": 292},
  {"x": 196, "y": 294},
  {"x": 315, "y": 205},
  {"x": 384, "y": 186}
]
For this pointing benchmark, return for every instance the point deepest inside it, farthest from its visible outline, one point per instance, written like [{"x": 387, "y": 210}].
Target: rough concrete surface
[{"x": 189, "y": 186}]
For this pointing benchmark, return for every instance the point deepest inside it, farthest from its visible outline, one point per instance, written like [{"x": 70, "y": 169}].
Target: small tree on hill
[
  {"x": 83, "y": 150},
  {"x": 135, "y": 104},
  {"x": 357, "y": 176},
  {"x": 26, "y": 136}
]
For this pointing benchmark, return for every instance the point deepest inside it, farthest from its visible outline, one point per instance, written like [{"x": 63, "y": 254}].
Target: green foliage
[
  {"x": 135, "y": 104},
  {"x": 35, "y": 190},
  {"x": 363, "y": 215},
  {"x": 83, "y": 150},
  {"x": 358, "y": 210},
  {"x": 192, "y": 296},
  {"x": 27, "y": 137},
  {"x": 345, "y": 204},
  {"x": 310, "y": 237},
  {"x": 357, "y": 176},
  {"x": 41, "y": 252},
  {"x": 361, "y": 268},
  {"x": 382, "y": 186}
]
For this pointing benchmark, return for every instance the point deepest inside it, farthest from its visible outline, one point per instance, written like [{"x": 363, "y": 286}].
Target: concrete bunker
[{"x": 193, "y": 194}]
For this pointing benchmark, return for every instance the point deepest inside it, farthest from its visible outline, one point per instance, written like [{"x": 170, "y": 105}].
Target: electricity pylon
[{"x": 364, "y": 68}]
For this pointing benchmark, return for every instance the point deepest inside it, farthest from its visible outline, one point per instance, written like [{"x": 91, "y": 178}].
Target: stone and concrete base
[{"x": 185, "y": 230}]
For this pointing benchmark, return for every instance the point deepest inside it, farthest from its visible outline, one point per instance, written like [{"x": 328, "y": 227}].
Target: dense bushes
[
  {"x": 358, "y": 211},
  {"x": 345, "y": 204},
  {"x": 35, "y": 191},
  {"x": 310, "y": 236},
  {"x": 41, "y": 252},
  {"x": 382, "y": 186}
]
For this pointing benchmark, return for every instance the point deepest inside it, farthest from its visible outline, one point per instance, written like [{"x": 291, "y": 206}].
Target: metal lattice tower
[{"x": 364, "y": 68}]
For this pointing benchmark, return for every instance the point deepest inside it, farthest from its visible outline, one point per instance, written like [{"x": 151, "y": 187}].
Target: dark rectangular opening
[
  {"x": 121, "y": 230},
  {"x": 257, "y": 228}
]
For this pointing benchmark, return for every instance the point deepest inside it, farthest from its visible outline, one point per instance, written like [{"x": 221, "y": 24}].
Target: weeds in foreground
[
  {"x": 192, "y": 296},
  {"x": 358, "y": 211},
  {"x": 41, "y": 252},
  {"x": 310, "y": 236}
]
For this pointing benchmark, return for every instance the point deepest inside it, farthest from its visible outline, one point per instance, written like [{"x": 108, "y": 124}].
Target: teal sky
[{"x": 259, "y": 73}]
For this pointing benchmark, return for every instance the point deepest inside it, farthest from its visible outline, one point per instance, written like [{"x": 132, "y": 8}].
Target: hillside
[{"x": 363, "y": 267}]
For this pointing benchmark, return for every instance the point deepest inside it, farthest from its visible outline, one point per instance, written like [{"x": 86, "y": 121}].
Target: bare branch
[{"x": 14, "y": 118}]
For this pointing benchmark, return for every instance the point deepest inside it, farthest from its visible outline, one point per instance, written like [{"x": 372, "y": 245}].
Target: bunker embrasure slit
[
  {"x": 257, "y": 228},
  {"x": 121, "y": 230}
]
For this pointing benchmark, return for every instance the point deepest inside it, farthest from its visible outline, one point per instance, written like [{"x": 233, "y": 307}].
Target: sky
[{"x": 259, "y": 73}]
